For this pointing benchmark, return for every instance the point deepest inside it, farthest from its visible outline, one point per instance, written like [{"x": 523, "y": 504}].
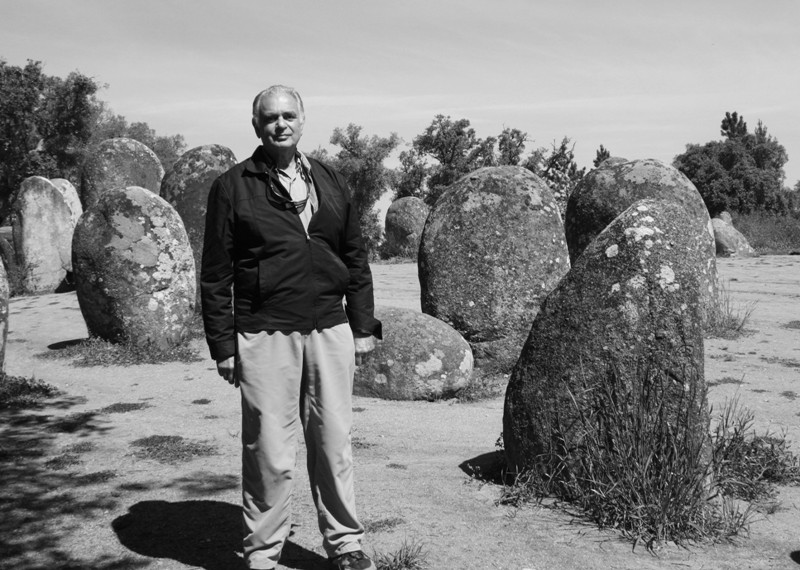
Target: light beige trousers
[{"x": 288, "y": 379}]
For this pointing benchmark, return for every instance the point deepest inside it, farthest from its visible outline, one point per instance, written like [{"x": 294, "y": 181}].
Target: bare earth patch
[{"x": 78, "y": 493}]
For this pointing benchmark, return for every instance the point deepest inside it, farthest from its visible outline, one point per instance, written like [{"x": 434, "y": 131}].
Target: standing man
[{"x": 282, "y": 251}]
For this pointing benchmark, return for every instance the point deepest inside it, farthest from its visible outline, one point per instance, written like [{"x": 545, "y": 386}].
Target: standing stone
[
  {"x": 405, "y": 220},
  {"x": 4, "y": 297},
  {"x": 607, "y": 191},
  {"x": 628, "y": 311},
  {"x": 492, "y": 248},
  {"x": 134, "y": 271},
  {"x": 118, "y": 163},
  {"x": 71, "y": 197},
  {"x": 729, "y": 241},
  {"x": 420, "y": 358},
  {"x": 186, "y": 186},
  {"x": 42, "y": 230}
]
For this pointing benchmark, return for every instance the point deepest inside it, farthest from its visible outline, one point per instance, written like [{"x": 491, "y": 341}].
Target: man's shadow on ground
[{"x": 198, "y": 533}]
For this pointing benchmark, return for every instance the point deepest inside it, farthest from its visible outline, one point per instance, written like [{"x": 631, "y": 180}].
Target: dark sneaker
[{"x": 355, "y": 560}]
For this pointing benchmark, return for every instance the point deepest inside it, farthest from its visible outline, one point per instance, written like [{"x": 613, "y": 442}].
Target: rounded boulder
[
  {"x": 729, "y": 241},
  {"x": 492, "y": 248},
  {"x": 134, "y": 270},
  {"x": 420, "y": 358},
  {"x": 405, "y": 220},
  {"x": 116, "y": 164},
  {"x": 186, "y": 186}
]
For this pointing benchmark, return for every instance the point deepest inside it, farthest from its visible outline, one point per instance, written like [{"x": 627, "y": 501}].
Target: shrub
[
  {"x": 17, "y": 392},
  {"x": 770, "y": 234}
]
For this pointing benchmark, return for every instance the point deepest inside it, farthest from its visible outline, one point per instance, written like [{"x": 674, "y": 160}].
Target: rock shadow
[
  {"x": 487, "y": 467},
  {"x": 202, "y": 533}
]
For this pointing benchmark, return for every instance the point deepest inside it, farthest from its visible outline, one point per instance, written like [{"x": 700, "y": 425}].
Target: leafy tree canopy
[
  {"x": 360, "y": 159},
  {"x": 742, "y": 173},
  {"x": 48, "y": 124}
]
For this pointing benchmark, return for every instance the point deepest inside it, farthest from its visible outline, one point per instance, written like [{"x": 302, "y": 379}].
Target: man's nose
[{"x": 281, "y": 122}]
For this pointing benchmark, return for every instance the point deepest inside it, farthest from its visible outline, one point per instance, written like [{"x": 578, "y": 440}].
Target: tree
[
  {"x": 741, "y": 173},
  {"x": 558, "y": 169},
  {"x": 44, "y": 125},
  {"x": 601, "y": 155},
  {"x": 48, "y": 124},
  {"x": 457, "y": 150},
  {"x": 360, "y": 159},
  {"x": 733, "y": 126},
  {"x": 511, "y": 146},
  {"x": 412, "y": 175}
]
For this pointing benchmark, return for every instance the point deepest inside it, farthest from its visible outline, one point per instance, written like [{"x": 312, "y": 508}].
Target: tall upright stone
[
  {"x": 186, "y": 186},
  {"x": 492, "y": 248},
  {"x": 71, "y": 197},
  {"x": 607, "y": 191},
  {"x": 42, "y": 230},
  {"x": 116, "y": 164},
  {"x": 134, "y": 270},
  {"x": 405, "y": 220},
  {"x": 624, "y": 325}
]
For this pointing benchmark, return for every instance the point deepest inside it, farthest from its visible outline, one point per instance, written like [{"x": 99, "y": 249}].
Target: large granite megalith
[
  {"x": 186, "y": 186},
  {"x": 492, "y": 248},
  {"x": 117, "y": 163},
  {"x": 623, "y": 327},
  {"x": 419, "y": 358},
  {"x": 405, "y": 220},
  {"x": 607, "y": 191},
  {"x": 42, "y": 230},
  {"x": 71, "y": 197},
  {"x": 134, "y": 270}
]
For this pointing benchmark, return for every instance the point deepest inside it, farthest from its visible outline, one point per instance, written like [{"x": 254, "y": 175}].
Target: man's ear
[{"x": 256, "y": 127}]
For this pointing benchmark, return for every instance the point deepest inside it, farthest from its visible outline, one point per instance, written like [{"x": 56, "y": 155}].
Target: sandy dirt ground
[{"x": 75, "y": 495}]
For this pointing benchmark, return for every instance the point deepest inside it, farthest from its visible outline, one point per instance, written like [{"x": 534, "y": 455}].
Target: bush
[
  {"x": 770, "y": 234},
  {"x": 17, "y": 392}
]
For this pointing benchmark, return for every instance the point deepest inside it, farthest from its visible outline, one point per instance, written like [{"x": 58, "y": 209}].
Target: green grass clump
[
  {"x": 17, "y": 392},
  {"x": 770, "y": 234},
  {"x": 726, "y": 319},
  {"x": 636, "y": 459},
  {"x": 410, "y": 556},
  {"x": 643, "y": 474},
  {"x": 171, "y": 449},
  {"x": 98, "y": 352},
  {"x": 747, "y": 465}
]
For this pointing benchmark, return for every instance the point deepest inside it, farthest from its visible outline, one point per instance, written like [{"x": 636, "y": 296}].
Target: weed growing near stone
[
  {"x": 171, "y": 448},
  {"x": 638, "y": 482},
  {"x": 379, "y": 525},
  {"x": 18, "y": 392},
  {"x": 726, "y": 319},
  {"x": 746, "y": 465},
  {"x": 99, "y": 352},
  {"x": 792, "y": 325},
  {"x": 410, "y": 556}
]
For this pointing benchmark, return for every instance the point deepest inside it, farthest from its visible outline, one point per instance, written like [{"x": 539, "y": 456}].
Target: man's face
[{"x": 279, "y": 124}]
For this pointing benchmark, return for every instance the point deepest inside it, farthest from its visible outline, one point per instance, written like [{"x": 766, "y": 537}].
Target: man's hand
[
  {"x": 227, "y": 369},
  {"x": 365, "y": 344}
]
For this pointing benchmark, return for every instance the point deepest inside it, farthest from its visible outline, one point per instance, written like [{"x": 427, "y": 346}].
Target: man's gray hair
[{"x": 274, "y": 90}]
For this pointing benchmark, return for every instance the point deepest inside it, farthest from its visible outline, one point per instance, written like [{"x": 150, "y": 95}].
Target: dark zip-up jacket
[{"x": 262, "y": 271}]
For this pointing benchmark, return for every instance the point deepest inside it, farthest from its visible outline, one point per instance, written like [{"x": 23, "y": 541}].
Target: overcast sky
[{"x": 642, "y": 78}]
